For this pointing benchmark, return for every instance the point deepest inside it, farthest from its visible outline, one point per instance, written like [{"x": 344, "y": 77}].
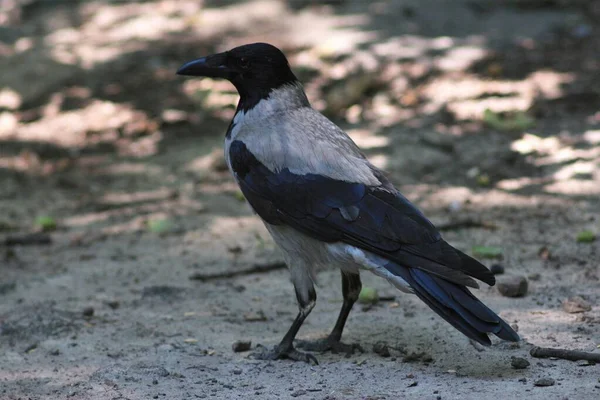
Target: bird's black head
[{"x": 254, "y": 69}]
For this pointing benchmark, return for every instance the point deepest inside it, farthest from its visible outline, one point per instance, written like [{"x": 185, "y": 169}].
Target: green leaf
[
  {"x": 586, "y": 237},
  {"x": 239, "y": 195},
  {"x": 159, "y": 225},
  {"x": 483, "y": 180},
  {"x": 487, "y": 251},
  {"x": 368, "y": 295},
  {"x": 517, "y": 121},
  {"x": 46, "y": 223}
]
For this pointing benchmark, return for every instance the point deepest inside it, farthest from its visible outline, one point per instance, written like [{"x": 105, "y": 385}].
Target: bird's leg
[
  {"x": 351, "y": 287},
  {"x": 285, "y": 349}
]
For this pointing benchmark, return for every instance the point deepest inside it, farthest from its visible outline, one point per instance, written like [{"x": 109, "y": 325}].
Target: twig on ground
[
  {"x": 573, "y": 355},
  {"x": 257, "y": 268},
  {"x": 28, "y": 239}
]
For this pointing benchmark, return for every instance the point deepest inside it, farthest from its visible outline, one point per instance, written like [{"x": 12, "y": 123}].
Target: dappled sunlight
[
  {"x": 469, "y": 96},
  {"x": 99, "y": 122},
  {"x": 575, "y": 187},
  {"x": 216, "y": 96},
  {"x": 9, "y": 99},
  {"x": 574, "y": 170},
  {"x": 461, "y": 58},
  {"x": 592, "y": 137},
  {"x": 113, "y": 30},
  {"x": 530, "y": 143}
]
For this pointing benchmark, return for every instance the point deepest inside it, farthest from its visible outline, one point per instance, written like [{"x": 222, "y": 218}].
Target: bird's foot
[
  {"x": 283, "y": 352},
  {"x": 329, "y": 344}
]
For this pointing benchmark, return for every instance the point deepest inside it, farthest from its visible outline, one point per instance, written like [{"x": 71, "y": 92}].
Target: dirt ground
[{"x": 486, "y": 114}]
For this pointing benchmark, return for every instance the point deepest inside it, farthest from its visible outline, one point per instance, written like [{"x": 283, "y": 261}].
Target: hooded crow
[{"x": 325, "y": 204}]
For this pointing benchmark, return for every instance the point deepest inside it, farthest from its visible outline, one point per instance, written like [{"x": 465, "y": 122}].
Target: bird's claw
[
  {"x": 328, "y": 344},
  {"x": 281, "y": 352}
]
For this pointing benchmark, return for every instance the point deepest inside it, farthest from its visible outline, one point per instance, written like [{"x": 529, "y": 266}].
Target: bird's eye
[{"x": 244, "y": 62}]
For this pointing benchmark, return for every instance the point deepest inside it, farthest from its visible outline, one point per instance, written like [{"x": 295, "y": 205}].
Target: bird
[{"x": 326, "y": 205}]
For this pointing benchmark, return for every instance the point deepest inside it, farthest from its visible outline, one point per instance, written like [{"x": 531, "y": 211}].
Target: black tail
[{"x": 456, "y": 305}]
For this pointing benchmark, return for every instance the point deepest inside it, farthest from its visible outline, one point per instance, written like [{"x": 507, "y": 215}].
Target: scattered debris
[
  {"x": 497, "y": 269},
  {"x": 387, "y": 297},
  {"x": 576, "y": 304},
  {"x": 512, "y": 286},
  {"x": 28, "y": 239},
  {"x": 382, "y": 349},
  {"x": 564, "y": 354},
  {"x": 258, "y": 316},
  {"x": 239, "y": 196},
  {"x": 544, "y": 382},
  {"x": 487, "y": 251},
  {"x": 586, "y": 237},
  {"x": 159, "y": 226},
  {"x": 544, "y": 253},
  {"x": 46, "y": 224},
  {"x": 534, "y": 277},
  {"x": 298, "y": 393},
  {"x": 418, "y": 356},
  {"x": 113, "y": 304},
  {"x": 519, "y": 363},
  {"x": 241, "y": 345},
  {"x": 7, "y": 287},
  {"x": 31, "y": 348},
  {"x": 368, "y": 295},
  {"x": 517, "y": 121},
  {"x": 88, "y": 312}
]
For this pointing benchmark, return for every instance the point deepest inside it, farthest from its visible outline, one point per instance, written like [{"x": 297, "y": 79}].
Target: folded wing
[{"x": 378, "y": 219}]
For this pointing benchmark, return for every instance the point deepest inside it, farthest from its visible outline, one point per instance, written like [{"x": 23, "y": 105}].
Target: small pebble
[
  {"x": 54, "y": 352},
  {"x": 534, "y": 277},
  {"x": 88, "y": 312},
  {"x": 497, "y": 269},
  {"x": 544, "y": 382},
  {"x": 382, "y": 349},
  {"x": 513, "y": 286},
  {"x": 298, "y": 393},
  {"x": 114, "y": 304},
  {"x": 576, "y": 304},
  {"x": 258, "y": 316},
  {"x": 241, "y": 345},
  {"x": 519, "y": 363},
  {"x": 237, "y": 371}
]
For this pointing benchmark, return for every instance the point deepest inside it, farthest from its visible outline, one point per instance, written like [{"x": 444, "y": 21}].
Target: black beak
[{"x": 213, "y": 66}]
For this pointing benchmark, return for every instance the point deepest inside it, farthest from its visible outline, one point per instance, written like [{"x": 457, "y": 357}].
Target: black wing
[{"x": 377, "y": 219}]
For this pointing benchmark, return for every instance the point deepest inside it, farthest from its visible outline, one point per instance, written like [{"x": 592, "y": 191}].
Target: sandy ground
[{"x": 156, "y": 266}]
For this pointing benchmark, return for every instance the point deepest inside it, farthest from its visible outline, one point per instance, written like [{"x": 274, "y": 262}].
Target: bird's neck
[{"x": 284, "y": 98}]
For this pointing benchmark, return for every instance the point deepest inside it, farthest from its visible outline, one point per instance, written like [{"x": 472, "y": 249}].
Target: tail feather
[{"x": 456, "y": 305}]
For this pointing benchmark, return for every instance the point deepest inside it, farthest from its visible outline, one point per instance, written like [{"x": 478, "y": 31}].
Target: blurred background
[{"x": 116, "y": 204}]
